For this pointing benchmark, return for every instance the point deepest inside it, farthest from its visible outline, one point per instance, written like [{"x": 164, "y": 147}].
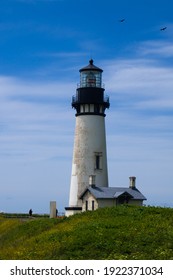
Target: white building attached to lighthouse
[{"x": 89, "y": 153}]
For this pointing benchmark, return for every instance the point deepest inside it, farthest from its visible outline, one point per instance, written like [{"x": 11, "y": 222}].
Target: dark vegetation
[{"x": 125, "y": 232}]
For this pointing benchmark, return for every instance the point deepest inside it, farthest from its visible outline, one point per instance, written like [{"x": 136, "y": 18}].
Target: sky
[{"x": 43, "y": 44}]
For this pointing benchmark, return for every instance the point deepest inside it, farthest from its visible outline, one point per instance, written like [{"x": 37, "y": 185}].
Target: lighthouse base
[{"x": 69, "y": 211}]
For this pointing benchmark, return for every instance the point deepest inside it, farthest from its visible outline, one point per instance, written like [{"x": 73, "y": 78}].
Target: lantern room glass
[{"x": 91, "y": 79}]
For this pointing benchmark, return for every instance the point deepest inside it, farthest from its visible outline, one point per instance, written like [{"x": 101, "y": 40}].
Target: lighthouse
[{"x": 89, "y": 153}]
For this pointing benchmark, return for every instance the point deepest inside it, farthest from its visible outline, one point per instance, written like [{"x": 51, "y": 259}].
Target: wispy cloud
[
  {"x": 161, "y": 48},
  {"x": 144, "y": 83}
]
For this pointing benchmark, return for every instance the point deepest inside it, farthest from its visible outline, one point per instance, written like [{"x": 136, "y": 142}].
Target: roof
[
  {"x": 91, "y": 66},
  {"x": 114, "y": 192}
]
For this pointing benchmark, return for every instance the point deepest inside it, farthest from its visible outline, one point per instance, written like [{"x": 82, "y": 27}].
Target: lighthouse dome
[{"x": 91, "y": 66}]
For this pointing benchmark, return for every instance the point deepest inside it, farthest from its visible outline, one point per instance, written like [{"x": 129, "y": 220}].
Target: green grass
[{"x": 125, "y": 232}]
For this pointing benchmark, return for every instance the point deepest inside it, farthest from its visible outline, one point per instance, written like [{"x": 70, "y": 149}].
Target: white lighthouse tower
[{"x": 89, "y": 154}]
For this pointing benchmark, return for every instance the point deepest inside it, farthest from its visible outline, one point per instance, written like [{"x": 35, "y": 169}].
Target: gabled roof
[
  {"x": 118, "y": 194},
  {"x": 107, "y": 193}
]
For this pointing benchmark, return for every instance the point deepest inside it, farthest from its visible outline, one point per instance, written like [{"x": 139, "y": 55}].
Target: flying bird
[
  {"x": 122, "y": 20},
  {"x": 163, "y": 28}
]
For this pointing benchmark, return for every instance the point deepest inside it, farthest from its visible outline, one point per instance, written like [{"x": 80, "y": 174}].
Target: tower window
[
  {"x": 98, "y": 161},
  {"x": 97, "y": 108}
]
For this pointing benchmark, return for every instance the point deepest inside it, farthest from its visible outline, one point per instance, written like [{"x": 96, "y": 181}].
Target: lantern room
[{"x": 91, "y": 76}]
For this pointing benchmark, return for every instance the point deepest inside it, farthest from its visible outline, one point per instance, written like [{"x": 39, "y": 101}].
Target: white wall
[
  {"x": 89, "y": 197},
  {"x": 90, "y": 138}
]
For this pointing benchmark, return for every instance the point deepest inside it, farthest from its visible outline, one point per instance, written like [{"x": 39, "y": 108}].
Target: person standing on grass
[{"x": 30, "y": 212}]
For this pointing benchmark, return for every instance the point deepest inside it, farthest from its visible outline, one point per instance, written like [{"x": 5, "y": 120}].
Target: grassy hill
[{"x": 125, "y": 232}]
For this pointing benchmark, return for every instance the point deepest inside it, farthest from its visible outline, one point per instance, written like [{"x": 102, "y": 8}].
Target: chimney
[
  {"x": 132, "y": 182},
  {"x": 92, "y": 179}
]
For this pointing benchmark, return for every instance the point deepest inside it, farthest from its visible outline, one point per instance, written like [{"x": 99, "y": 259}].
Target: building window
[
  {"x": 86, "y": 205},
  {"x": 123, "y": 199},
  {"x": 93, "y": 205},
  {"x": 98, "y": 161}
]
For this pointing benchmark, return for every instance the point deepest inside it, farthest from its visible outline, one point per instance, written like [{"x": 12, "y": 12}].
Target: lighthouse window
[
  {"x": 101, "y": 109},
  {"x": 98, "y": 161},
  {"x": 96, "y": 108},
  {"x": 83, "y": 108}
]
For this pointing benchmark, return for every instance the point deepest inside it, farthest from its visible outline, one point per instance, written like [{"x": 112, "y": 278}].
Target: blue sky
[{"x": 43, "y": 45}]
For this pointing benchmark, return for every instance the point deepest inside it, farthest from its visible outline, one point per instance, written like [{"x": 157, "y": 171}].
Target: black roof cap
[{"x": 90, "y": 67}]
